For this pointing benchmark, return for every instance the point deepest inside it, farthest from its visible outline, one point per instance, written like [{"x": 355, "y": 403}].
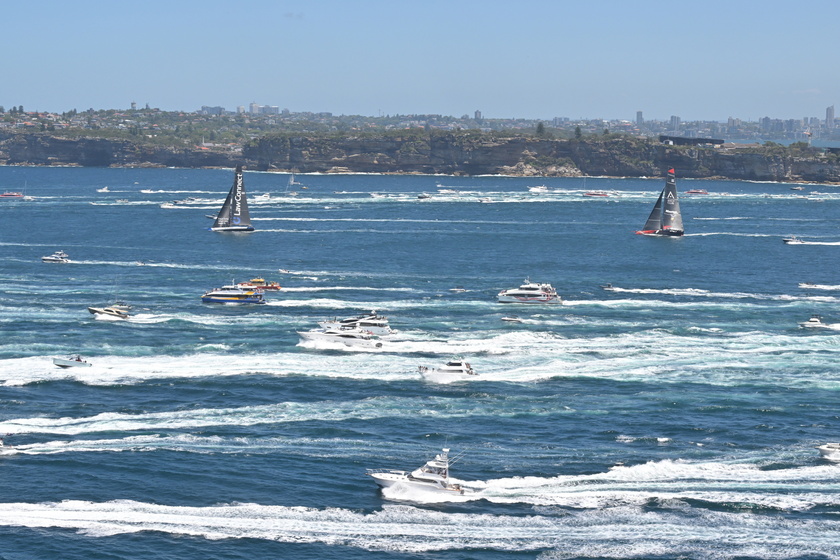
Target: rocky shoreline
[{"x": 467, "y": 153}]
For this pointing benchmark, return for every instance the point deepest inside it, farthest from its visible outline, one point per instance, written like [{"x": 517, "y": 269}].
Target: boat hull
[
  {"x": 661, "y": 232},
  {"x": 389, "y": 479},
  {"x": 505, "y": 298},
  {"x": 232, "y": 299},
  {"x": 351, "y": 342},
  {"x": 233, "y": 229},
  {"x": 830, "y": 451}
]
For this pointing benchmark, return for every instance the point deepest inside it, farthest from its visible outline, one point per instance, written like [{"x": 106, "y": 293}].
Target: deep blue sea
[{"x": 675, "y": 416}]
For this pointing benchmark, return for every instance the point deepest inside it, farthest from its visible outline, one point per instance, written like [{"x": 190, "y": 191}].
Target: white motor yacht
[
  {"x": 72, "y": 361},
  {"x": 352, "y": 337},
  {"x": 530, "y": 292},
  {"x": 57, "y": 257},
  {"x": 453, "y": 371},
  {"x": 793, "y": 240},
  {"x": 119, "y": 310},
  {"x": 433, "y": 475},
  {"x": 814, "y": 322},
  {"x": 376, "y": 324},
  {"x": 830, "y": 451}
]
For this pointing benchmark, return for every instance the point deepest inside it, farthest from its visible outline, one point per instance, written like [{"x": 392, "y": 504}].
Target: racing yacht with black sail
[
  {"x": 234, "y": 216},
  {"x": 665, "y": 218}
]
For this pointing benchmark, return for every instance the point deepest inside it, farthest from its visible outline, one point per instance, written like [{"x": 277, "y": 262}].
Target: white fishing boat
[
  {"x": 234, "y": 216},
  {"x": 665, "y": 219},
  {"x": 372, "y": 322},
  {"x": 71, "y": 361},
  {"x": 57, "y": 257},
  {"x": 830, "y": 451},
  {"x": 530, "y": 292},
  {"x": 815, "y": 322},
  {"x": 432, "y": 476},
  {"x": 350, "y": 337}
]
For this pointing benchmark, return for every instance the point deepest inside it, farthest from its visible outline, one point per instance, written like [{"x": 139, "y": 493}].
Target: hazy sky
[{"x": 708, "y": 59}]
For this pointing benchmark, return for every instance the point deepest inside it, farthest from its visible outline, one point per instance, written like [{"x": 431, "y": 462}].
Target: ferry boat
[
  {"x": 530, "y": 292},
  {"x": 233, "y": 294}
]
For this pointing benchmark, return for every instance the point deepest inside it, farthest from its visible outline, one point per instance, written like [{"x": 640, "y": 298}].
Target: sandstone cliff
[{"x": 455, "y": 153}]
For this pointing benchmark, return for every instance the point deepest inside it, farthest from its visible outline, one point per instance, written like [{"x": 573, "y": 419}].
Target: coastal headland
[{"x": 448, "y": 153}]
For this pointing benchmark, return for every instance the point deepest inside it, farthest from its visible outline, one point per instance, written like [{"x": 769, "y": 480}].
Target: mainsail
[
  {"x": 234, "y": 214},
  {"x": 665, "y": 218}
]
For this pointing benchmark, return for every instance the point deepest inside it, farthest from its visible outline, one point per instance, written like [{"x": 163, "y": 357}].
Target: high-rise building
[
  {"x": 675, "y": 123},
  {"x": 829, "y": 117},
  {"x": 639, "y": 119}
]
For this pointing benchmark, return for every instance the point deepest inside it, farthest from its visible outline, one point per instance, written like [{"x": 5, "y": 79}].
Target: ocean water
[{"x": 673, "y": 417}]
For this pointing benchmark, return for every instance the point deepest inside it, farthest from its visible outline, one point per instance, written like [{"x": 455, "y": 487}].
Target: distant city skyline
[{"x": 536, "y": 59}]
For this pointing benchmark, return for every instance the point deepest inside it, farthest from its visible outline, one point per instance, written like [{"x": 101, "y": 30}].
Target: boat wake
[{"x": 615, "y": 532}]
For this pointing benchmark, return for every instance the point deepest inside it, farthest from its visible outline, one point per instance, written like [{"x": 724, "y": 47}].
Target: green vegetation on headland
[{"x": 192, "y": 140}]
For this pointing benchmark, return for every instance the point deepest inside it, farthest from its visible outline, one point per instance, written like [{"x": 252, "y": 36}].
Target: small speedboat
[
  {"x": 596, "y": 193},
  {"x": 697, "y": 191},
  {"x": 233, "y": 294},
  {"x": 57, "y": 257},
  {"x": 793, "y": 240},
  {"x": 530, "y": 292},
  {"x": 72, "y": 361},
  {"x": 119, "y": 310},
  {"x": 512, "y": 319},
  {"x": 814, "y": 322},
  {"x": 351, "y": 337},
  {"x": 371, "y": 322},
  {"x": 457, "y": 366},
  {"x": 9, "y": 194},
  {"x": 830, "y": 451},
  {"x": 433, "y": 475},
  {"x": 608, "y": 287},
  {"x": 259, "y": 284}
]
